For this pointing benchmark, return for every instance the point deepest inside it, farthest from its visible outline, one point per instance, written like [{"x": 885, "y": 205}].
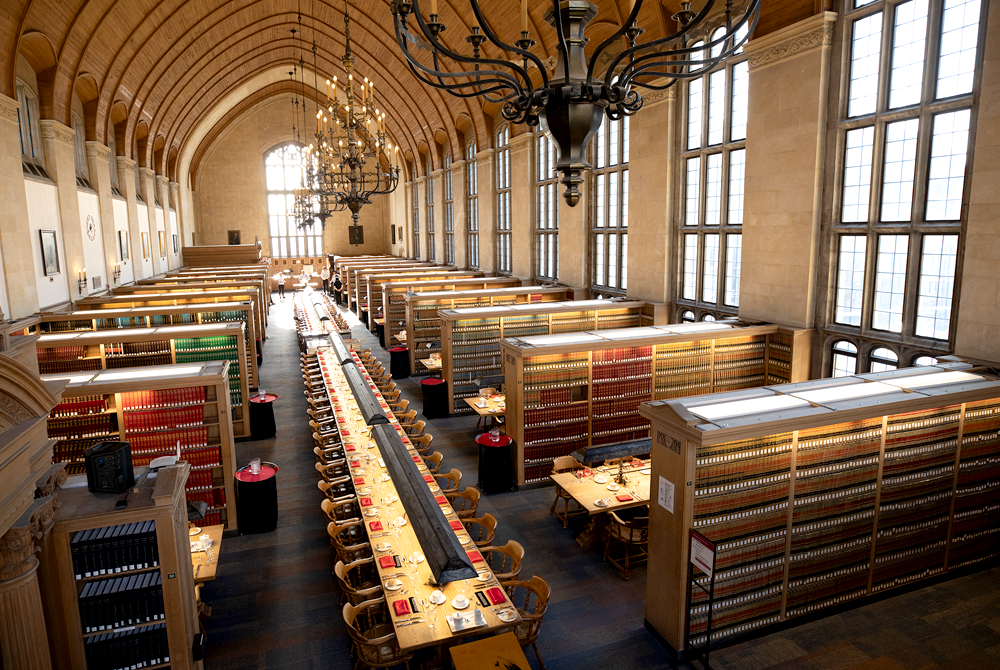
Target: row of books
[
  {"x": 164, "y": 419},
  {"x": 213, "y": 497},
  {"x": 199, "y": 480},
  {"x": 163, "y": 398},
  {"x": 85, "y": 404},
  {"x": 127, "y": 348},
  {"x": 622, "y": 355},
  {"x": 189, "y": 438},
  {"x": 619, "y": 371},
  {"x": 71, "y": 451},
  {"x": 137, "y": 360},
  {"x": 128, "y": 649},
  {"x": 623, "y": 389},
  {"x": 62, "y": 367},
  {"x": 117, "y": 602},
  {"x": 555, "y": 415},
  {"x": 60, "y": 353},
  {"x": 81, "y": 427},
  {"x": 201, "y": 459},
  {"x": 112, "y": 549}
]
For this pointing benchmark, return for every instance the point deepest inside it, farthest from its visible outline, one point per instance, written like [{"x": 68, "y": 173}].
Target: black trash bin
[
  {"x": 380, "y": 331},
  {"x": 257, "y": 499},
  {"x": 495, "y": 471},
  {"x": 399, "y": 362},
  {"x": 435, "y": 397}
]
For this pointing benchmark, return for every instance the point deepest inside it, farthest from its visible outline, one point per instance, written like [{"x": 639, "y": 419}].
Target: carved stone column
[{"x": 23, "y": 641}]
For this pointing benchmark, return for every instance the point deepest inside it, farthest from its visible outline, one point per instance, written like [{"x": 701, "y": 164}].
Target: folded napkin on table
[
  {"x": 355, "y": 464},
  {"x": 386, "y": 562},
  {"x": 441, "y": 500},
  {"x": 428, "y": 478},
  {"x": 623, "y": 497},
  {"x": 376, "y": 525},
  {"x": 401, "y": 606},
  {"x": 366, "y": 502},
  {"x": 416, "y": 459},
  {"x": 476, "y": 556},
  {"x": 496, "y": 595},
  {"x": 456, "y": 525},
  {"x": 349, "y": 447},
  {"x": 359, "y": 480}
]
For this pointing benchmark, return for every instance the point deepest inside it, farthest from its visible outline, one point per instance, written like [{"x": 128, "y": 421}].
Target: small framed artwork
[
  {"x": 162, "y": 237},
  {"x": 50, "y": 252},
  {"x": 145, "y": 245},
  {"x": 175, "y": 242},
  {"x": 356, "y": 234},
  {"x": 234, "y": 237},
  {"x": 123, "y": 245},
  {"x": 393, "y": 234},
  {"x": 400, "y": 234}
]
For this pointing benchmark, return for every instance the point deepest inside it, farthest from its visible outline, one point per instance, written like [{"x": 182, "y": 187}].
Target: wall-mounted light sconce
[
  {"x": 81, "y": 279},
  {"x": 117, "y": 272}
]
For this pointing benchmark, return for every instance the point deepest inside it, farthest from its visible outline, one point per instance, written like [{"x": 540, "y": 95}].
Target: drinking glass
[{"x": 432, "y": 615}]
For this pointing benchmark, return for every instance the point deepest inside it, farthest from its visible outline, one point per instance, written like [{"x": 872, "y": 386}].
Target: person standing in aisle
[
  {"x": 280, "y": 278},
  {"x": 337, "y": 287},
  {"x": 325, "y": 276}
]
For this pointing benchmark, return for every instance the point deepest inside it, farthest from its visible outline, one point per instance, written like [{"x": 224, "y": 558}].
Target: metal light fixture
[
  {"x": 116, "y": 273},
  {"x": 569, "y": 103},
  {"x": 351, "y": 158}
]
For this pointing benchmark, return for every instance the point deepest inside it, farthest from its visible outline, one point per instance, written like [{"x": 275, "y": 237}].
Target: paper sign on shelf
[
  {"x": 666, "y": 495},
  {"x": 702, "y": 553}
]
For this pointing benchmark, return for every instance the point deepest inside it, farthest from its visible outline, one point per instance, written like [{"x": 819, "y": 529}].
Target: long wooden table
[
  {"x": 372, "y": 482},
  {"x": 204, "y": 571},
  {"x": 587, "y": 491}
]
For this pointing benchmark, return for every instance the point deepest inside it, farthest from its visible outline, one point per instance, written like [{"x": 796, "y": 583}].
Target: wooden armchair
[
  {"x": 399, "y": 407},
  {"x": 631, "y": 535},
  {"x": 370, "y": 627},
  {"x": 423, "y": 443},
  {"x": 505, "y": 561},
  {"x": 433, "y": 462},
  {"x": 333, "y": 471},
  {"x": 359, "y": 580},
  {"x": 341, "y": 510},
  {"x": 348, "y": 540},
  {"x": 565, "y": 464},
  {"x": 482, "y": 529},
  {"x": 414, "y": 429},
  {"x": 449, "y": 482},
  {"x": 465, "y": 503},
  {"x": 338, "y": 490},
  {"x": 534, "y": 594}
]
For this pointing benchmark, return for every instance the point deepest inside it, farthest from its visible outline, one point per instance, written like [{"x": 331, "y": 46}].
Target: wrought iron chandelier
[
  {"x": 350, "y": 158},
  {"x": 569, "y": 103}
]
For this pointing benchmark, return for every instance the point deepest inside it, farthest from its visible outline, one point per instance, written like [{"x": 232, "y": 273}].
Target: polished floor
[{"x": 276, "y": 605}]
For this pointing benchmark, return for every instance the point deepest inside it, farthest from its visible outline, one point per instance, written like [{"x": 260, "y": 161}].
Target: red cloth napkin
[
  {"x": 376, "y": 525},
  {"x": 349, "y": 447},
  {"x": 428, "y": 478},
  {"x": 475, "y": 556},
  {"x": 441, "y": 500},
  {"x": 496, "y": 595},
  {"x": 359, "y": 480},
  {"x": 456, "y": 525},
  {"x": 366, "y": 502},
  {"x": 623, "y": 497},
  {"x": 341, "y": 420},
  {"x": 355, "y": 464},
  {"x": 416, "y": 459},
  {"x": 386, "y": 561},
  {"x": 401, "y": 606}
]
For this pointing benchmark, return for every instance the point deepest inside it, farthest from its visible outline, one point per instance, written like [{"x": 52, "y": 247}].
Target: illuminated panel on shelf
[
  {"x": 631, "y": 333},
  {"x": 935, "y": 379},
  {"x": 696, "y": 328},
  {"x": 71, "y": 379},
  {"x": 845, "y": 392},
  {"x": 57, "y": 337},
  {"x": 549, "y": 340},
  {"x": 723, "y": 410},
  {"x": 147, "y": 373}
]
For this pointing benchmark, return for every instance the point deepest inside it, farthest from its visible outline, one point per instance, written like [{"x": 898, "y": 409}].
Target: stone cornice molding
[
  {"x": 801, "y": 38},
  {"x": 53, "y": 130},
  {"x": 437, "y": 173},
  {"x": 17, "y": 545},
  {"x": 485, "y": 155},
  {"x": 520, "y": 143},
  {"x": 125, "y": 163},
  {"x": 8, "y": 108},
  {"x": 98, "y": 150},
  {"x": 147, "y": 173},
  {"x": 652, "y": 97},
  {"x": 161, "y": 180},
  {"x": 457, "y": 165}
]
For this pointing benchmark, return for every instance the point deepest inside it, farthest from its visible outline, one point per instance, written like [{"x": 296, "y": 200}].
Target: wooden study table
[
  {"x": 203, "y": 570},
  {"x": 401, "y": 337},
  {"x": 499, "y": 651},
  {"x": 433, "y": 365},
  {"x": 495, "y": 406},
  {"x": 587, "y": 491},
  {"x": 383, "y": 508}
]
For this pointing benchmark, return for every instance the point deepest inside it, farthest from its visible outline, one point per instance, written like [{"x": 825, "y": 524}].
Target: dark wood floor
[{"x": 276, "y": 605}]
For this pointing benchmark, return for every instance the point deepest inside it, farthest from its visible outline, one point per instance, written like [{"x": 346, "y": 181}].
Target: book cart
[
  {"x": 181, "y": 298},
  {"x": 82, "y": 351},
  {"x": 470, "y": 338},
  {"x": 154, "y": 408},
  {"x": 583, "y": 389},
  {"x": 423, "y": 324},
  {"x": 370, "y": 285},
  {"x": 394, "y": 296},
  {"x": 261, "y": 299},
  {"x": 140, "y": 585},
  {"x": 165, "y": 315},
  {"x": 820, "y": 493}
]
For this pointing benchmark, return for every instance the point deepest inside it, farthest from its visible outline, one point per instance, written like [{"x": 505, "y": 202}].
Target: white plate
[
  {"x": 435, "y": 488},
  {"x": 391, "y": 498},
  {"x": 400, "y": 521},
  {"x": 416, "y": 557},
  {"x": 384, "y": 478},
  {"x": 600, "y": 503},
  {"x": 484, "y": 577},
  {"x": 602, "y": 468},
  {"x": 394, "y": 584},
  {"x": 365, "y": 491},
  {"x": 506, "y": 615},
  {"x": 371, "y": 512},
  {"x": 613, "y": 487},
  {"x": 454, "y": 602},
  {"x": 438, "y": 598},
  {"x": 464, "y": 539},
  {"x": 384, "y": 546},
  {"x": 601, "y": 479},
  {"x": 194, "y": 531}
]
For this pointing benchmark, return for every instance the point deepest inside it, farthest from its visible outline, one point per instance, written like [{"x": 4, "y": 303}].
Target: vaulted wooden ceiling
[{"x": 156, "y": 69}]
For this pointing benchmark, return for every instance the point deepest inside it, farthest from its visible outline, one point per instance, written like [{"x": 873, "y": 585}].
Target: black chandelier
[
  {"x": 568, "y": 105},
  {"x": 350, "y": 158}
]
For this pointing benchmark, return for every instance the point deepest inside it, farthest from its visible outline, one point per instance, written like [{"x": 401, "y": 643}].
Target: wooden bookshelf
[
  {"x": 583, "y": 389},
  {"x": 82, "y": 351},
  {"x": 181, "y": 282},
  {"x": 153, "y": 408},
  {"x": 221, "y": 255},
  {"x": 157, "y": 509},
  {"x": 821, "y": 493},
  {"x": 371, "y": 285},
  {"x": 423, "y": 325},
  {"x": 470, "y": 338},
  {"x": 349, "y": 272},
  {"x": 165, "y": 315},
  {"x": 181, "y": 298},
  {"x": 394, "y": 301},
  {"x": 261, "y": 297}
]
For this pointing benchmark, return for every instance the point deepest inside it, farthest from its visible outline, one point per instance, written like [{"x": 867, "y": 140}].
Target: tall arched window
[
  {"x": 472, "y": 204},
  {"x": 845, "y": 359},
  {"x": 503, "y": 201},
  {"x": 610, "y": 223},
  {"x": 547, "y": 219},
  {"x": 283, "y": 168},
  {"x": 449, "y": 213}
]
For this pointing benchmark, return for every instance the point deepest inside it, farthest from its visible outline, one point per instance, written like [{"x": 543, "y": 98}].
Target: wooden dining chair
[
  {"x": 325, "y": 455},
  {"x": 423, "y": 443},
  {"x": 449, "y": 482},
  {"x": 531, "y": 598},
  {"x": 333, "y": 471},
  {"x": 348, "y": 540},
  {"x": 359, "y": 581},
  {"x": 407, "y": 418},
  {"x": 481, "y": 529},
  {"x": 374, "y": 638},
  {"x": 465, "y": 503},
  {"x": 341, "y": 510},
  {"x": 400, "y": 406},
  {"x": 414, "y": 429},
  {"x": 630, "y": 533},
  {"x": 390, "y": 397},
  {"x": 565, "y": 464},
  {"x": 338, "y": 490},
  {"x": 433, "y": 462},
  {"x": 505, "y": 561},
  {"x": 390, "y": 387}
]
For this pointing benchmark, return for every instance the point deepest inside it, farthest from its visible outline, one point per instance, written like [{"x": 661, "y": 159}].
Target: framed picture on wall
[
  {"x": 50, "y": 252},
  {"x": 145, "y": 245},
  {"x": 356, "y": 234},
  {"x": 162, "y": 236},
  {"x": 175, "y": 242},
  {"x": 234, "y": 237},
  {"x": 400, "y": 234},
  {"x": 393, "y": 234},
  {"x": 123, "y": 245}
]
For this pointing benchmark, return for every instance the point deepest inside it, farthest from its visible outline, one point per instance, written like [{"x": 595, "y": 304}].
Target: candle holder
[
  {"x": 117, "y": 272},
  {"x": 81, "y": 280},
  {"x": 620, "y": 479}
]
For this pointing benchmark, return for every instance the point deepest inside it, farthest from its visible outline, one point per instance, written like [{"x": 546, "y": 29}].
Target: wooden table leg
[{"x": 592, "y": 531}]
